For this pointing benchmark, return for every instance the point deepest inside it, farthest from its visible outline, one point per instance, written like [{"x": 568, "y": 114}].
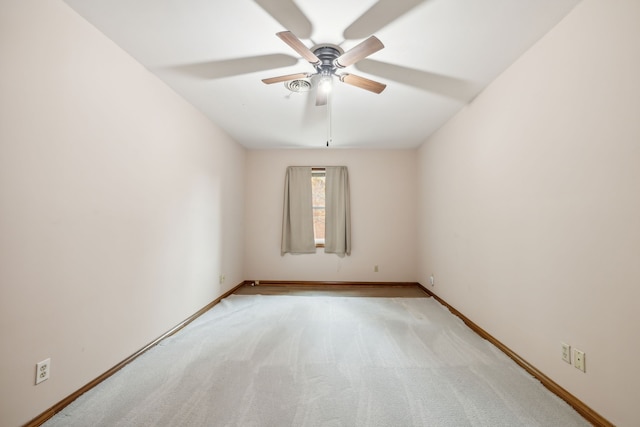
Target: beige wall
[
  {"x": 530, "y": 206},
  {"x": 383, "y": 191},
  {"x": 119, "y": 206}
]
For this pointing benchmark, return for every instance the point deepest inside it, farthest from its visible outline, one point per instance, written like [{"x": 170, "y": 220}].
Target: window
[
  {"x": 316, "y": 211},
  {"x": 318, "y": 181}
]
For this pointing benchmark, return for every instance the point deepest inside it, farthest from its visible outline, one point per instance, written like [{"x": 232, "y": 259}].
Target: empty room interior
[{"x": 143, "y": 159}]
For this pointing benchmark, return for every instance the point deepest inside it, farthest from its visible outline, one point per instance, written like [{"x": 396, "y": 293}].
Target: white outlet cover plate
[
  {"x": 566, "y": 352},
  {"x": 43, "y": 370}
]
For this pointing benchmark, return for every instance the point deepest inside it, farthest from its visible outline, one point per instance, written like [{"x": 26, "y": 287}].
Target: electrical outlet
[
  {"x": 432, "y": 280},
  {"x": 566, "y": 353},
  {"x": 579, "y": 359},
  {"x": 222, "y": 278},
  {"x": 375, "y": 268},
  {"x": 43, "y": 369}
]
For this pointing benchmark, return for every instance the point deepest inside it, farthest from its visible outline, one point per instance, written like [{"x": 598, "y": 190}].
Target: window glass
[{"x": 318, "y": 198}]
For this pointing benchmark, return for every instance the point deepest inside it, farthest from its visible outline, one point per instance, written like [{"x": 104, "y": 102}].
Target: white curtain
[
  {"x": 337, "y": 238},
  {"x": 297, "y": 217}
]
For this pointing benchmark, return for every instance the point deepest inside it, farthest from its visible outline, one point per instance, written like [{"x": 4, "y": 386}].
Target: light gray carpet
[{"x": 321, "y": 361}]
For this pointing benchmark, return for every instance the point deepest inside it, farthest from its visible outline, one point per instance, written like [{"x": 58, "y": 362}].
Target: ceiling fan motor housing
[{"x": 327, "y": 54}]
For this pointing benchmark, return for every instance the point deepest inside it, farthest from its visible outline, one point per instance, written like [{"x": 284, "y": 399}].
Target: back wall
[{"x": 383, "y": 216}]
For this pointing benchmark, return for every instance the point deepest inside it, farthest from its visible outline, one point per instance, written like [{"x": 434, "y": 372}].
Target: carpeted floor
[{"x": 256, "y": 360}]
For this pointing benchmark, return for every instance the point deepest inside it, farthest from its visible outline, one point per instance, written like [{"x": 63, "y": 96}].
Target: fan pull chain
[{"x": 329, "y": 123}]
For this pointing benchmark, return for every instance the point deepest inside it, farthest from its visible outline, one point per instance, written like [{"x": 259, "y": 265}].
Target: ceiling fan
[{"x": 327, "y": 61}]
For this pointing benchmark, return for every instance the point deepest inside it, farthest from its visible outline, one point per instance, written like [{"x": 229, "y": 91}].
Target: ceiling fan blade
[
  {"x": 360, "y": 51},
  {"x": 312, "y": 116},
  {"x": 362, "y": 83},
  {"x": 379, "y": 16},
  {"x": 289, "y": 38},
  {"x": 450, "y": 87},
  {"x": 289, "y": 15},
  {"x": 237, "y": 66},
  {"x": 285, "y": 78},
  {"x": 321, "y": 97}
]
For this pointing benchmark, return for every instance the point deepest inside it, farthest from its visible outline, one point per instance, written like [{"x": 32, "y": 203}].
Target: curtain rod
[
  {"x": 313, "y": 168},
  {"x": 316, "y": 167}
]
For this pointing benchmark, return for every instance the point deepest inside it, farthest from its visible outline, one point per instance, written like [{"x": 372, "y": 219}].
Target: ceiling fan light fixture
[{"x": 325, "y": 83}]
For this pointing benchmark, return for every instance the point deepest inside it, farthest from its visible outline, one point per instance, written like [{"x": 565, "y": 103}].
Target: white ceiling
[{"x": 438, "y": 55}]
